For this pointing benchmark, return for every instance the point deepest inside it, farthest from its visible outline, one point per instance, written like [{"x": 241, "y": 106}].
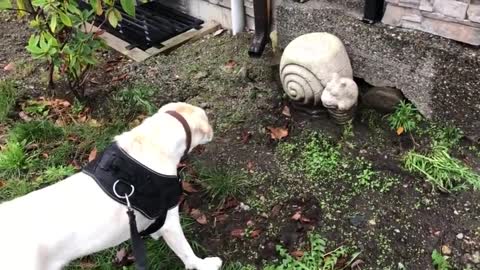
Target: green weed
[
  {"x": 317, "y": 258},
  {"x": 14, "y": 188},
  {"x": 221, "y": 182},
  {"x": 13, "y": 159},
  {"x": 8, "y": 96},
  {"x": 445, "y": 135},
  {"x": 441, "y": 170},
  {"x": 440, "y": 262},
  {"x": 405, "y": 116},
  {"x": 42, "y": 131},
  {"x": 55, "y": 173},
  {"x": 286, "y": 150},
  {"x": 319, "y": 157},
  {"x": 135, "y": 100},
  {"x": 238, "y": 266},
  {"x": 367, "y": 178}
]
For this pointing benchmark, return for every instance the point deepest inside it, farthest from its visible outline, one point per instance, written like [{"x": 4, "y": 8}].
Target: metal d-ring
[{"x": 124, "y": 196}]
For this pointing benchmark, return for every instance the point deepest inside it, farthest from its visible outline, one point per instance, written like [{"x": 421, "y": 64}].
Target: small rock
[
  {"x": 244, "y": 207},
  {"x": 397, "y": 230},
  {"x": 455, "y": 212},
  {"x": 460, "y": 236},
  {"x": 446, "y": 250},
  {"x": 383, "y": 99},
  {"x": 10, "y": 67},
  {"x": 357, "y": 220},
  {"x": 200, "y": 75},
  {"x": 372, "y": 222},
  {"x": 475, "y": 258}
]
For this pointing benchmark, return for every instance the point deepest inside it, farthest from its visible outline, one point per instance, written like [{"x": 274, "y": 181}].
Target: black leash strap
[{"x": 138, "y": 246}]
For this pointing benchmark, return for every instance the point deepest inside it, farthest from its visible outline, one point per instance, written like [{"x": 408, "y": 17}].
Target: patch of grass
[
  {"x": 8, "y": 96},
  {"x": 405, "y": 117},
  {"x": 61, "y": 154},
  {"x": 367, "y": 178},
  {"x": 14, "y": 188},
  {"x": 13, "y": 159},
  {"x": 440, "y": 262},
  {"x": 319, "y": 157},
  {"x": 317, "y": 258},
  {"x": 41, "y": 131},
  {"x": 441, "y": 170},
  {"x": 286, "y": 150},
  {"x": 55, "y": 173},
  {"x": 221, "y": 182},
  {"x": 238, "y": 266},
  {"x": 445, "y": 135}
]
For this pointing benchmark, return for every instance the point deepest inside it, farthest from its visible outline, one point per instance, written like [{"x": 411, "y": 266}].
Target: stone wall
[{"x": 455, "y": 19}]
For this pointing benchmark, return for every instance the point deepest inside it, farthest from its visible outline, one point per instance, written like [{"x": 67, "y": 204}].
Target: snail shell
[{"x": 308, "y": 63}]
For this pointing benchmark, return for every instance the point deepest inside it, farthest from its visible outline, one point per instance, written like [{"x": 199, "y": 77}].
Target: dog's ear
[{"x": 206, "y": 130}]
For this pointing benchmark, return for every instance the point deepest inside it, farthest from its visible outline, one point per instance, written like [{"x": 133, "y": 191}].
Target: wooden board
[{"x": 140, "y": 55}]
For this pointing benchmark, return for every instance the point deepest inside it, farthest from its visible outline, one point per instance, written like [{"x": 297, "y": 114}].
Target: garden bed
[{"x": 348, "y": 185}]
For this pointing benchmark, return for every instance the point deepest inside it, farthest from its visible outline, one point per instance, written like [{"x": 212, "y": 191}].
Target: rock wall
[{"x": 454, "y": 19}]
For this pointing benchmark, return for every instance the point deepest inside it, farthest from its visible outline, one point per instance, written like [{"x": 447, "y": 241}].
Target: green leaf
[
  {"x": 97, "y": 6},
  {"x": 53, "y": 22},
  {"x": 65, "y": 19},
  {"x": 72, "y": 7},
  {"x": 113, "y": 17},
  {"x": 4, "y": 4},
  {"x": 128, "y": 6}
]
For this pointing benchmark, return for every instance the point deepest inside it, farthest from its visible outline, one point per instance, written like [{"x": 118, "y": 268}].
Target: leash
[{"x": 138, "y": 245}]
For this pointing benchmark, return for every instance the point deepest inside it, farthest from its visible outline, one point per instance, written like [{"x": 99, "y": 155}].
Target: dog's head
[{"x": 196, "y": 118}]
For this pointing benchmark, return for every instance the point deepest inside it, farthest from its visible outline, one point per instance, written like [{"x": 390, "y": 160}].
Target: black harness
[
  {"x": 130, "y": 183},
  {"x": 152, "y": 194}
]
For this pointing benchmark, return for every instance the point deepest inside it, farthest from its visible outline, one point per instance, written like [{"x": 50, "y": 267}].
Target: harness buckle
[{"x": 125, "y": 197}]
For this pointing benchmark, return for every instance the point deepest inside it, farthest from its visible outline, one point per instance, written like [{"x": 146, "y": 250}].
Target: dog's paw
[{"x": 210, "y": 263}]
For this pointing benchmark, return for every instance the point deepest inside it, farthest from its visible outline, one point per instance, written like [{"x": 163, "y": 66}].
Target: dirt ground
[{"x": 392, "y": 228}]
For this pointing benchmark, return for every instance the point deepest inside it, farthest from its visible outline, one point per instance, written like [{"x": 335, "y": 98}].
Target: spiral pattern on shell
[{"x": 301, "y": 85}]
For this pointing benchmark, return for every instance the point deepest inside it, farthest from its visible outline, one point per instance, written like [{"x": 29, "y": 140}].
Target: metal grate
[{"x": 153, "y": 23}]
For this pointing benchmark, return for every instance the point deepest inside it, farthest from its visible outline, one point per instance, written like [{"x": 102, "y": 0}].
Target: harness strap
[
  {"x": 138, "y": 246},
  {"x": 185, "y": 125}
]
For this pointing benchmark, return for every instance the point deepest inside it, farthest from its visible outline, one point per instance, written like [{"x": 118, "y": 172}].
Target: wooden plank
[
  {"x": 207, "y": 28},
  {"x": 121, "y": 45},
  {"x": 168, "y": 45}
]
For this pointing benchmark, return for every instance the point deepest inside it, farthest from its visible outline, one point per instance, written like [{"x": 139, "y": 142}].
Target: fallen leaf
[
  {"x": 198, "y": 216},
  {"x": 250, "y": 166},
  {"x": 286, "y": 111},
  {"x": 188, "y": 187},
  {"x": 99, "y": 32},
  {"x": 87, "y": 264},
  {"x": 230, "y": 203},
  {"x": 32, "y": 146},
  {"x": 230, "y": 64},
  {"x": 356, "y": 264},
  {"x": 297, "y": 254},
  {"x": 24, "y": 116},
  {"x": 122, "y": 258},
  {"x": 400, "y": 130},
  {"x": 297, "y": 216},
  {"x": 278, "y": 133},
  {"x": 10, "y": 67},
  {"x": 120, "y": 77},
  {"x": 45, "y": 155},
  {"x": 246, "y": 135},
  {"x": 305, "y": 220},
  {"x": 446, "y": 250},
  {"x": 221, "y": 218},
  {"x": 250, "y": 223},
  {"x": 238, "y": 233},
  {"x": 255, "y": 233},
  {"x": 276, "y": 210},
  {"x": 109, "y": 69},
  {"x": 218, "y": 32},
  {"x": 2, "y": 183},
  {"x": 92, "y": 155},
  {"x": 94, "y": 123}
]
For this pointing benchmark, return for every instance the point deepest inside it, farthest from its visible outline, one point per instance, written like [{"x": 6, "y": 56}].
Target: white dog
[{"x": 48, "y": 228}]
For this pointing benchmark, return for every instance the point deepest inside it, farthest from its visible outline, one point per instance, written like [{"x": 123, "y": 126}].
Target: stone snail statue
[{"x": 314, "y": 63}]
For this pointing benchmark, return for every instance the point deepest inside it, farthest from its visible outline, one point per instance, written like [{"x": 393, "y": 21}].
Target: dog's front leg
[{"x": 173, "y": 235}]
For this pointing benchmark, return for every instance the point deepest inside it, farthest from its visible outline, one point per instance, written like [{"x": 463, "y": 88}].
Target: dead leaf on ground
[
  {"x": 24, "y": 116},
  {"x": 238, "y": 233},
  {"x": 2, "y": 183},
  {"x": 297, "y": 216},
  {"x": 92, "y": 155},
  {"x": 356, "y": 264},
  {"x": 45, "y": 155},
  {"x": 278, "y": 133},
  {"x": 123, "y": 258},
  {"x": 400, "y": 130},
  {"x": 221, "y": 218},
  {"x": 250, "y": 223},
  {"x": 230, "y": 203},
  {"x": 188, "y": 187},
  {"x": 120, "y": 77},
  {"x": 250, "y": 166},
  {"x": 255, "y": 233},
  {"x": 297, "y": 254},
  {"x": 275, "y": 210},
  {"x": 230, "y": 64},
  {"x": 198, "y": 216},
  {"x": 286, "y": 111},
  {"x": 305, "y": 220},
  {"x": 218, "y": 32},
  {"x": 246, "y": 136},
  {"x": 10, "y": 67}
]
